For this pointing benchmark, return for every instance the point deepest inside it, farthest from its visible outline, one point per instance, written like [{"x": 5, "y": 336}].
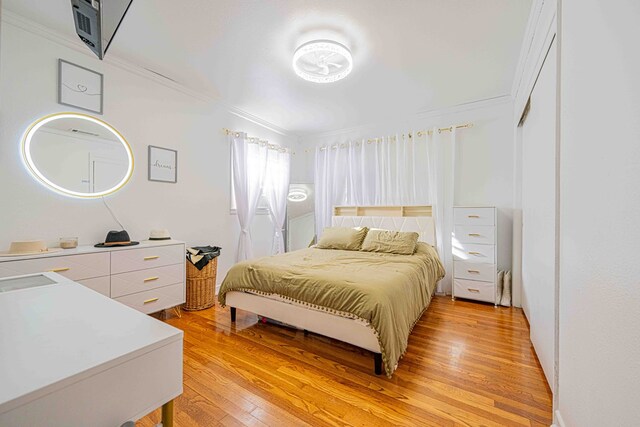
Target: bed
[{"x": 369, "y": 299}]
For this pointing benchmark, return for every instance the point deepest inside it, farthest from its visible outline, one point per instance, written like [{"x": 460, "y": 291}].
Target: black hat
[{"x": 116, "y": 238}]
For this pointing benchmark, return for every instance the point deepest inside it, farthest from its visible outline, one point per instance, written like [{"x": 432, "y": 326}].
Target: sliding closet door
[{"x": 539, "y": 214}]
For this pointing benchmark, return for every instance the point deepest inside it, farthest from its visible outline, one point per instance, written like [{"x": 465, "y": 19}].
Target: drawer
[
  {"x": 74, "y": 267},
  {"x": 474, "y": 271},
  {"x": 143, "y": 280},
  {"x": 138, "y": 259},
  {"x": 472, "y": 289},
  {"x": 484, "y": 234},
  {"x": 474, "y": 253},
  {"x": 155, "y": 299},
  {"x": 102, "y": 285},
  {"x": 474, "y": 216}
]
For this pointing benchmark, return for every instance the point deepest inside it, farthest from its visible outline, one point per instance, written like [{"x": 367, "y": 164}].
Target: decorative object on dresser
[
  {"x": 474, "y": 243},
  {"x": 68, "y": 242},
  {"x": 28, "y": 247},
  {"x": 149, "y": 277},
  {"x": 160, "y": 234},
  {"x": 163, "y": 164},
  {"x": 116, "y": 238}
]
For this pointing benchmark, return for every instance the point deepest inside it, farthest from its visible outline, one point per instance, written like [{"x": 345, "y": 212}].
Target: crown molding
[
  {"x": 419, "y": 115},
  {"x": 30, "y": 26},
  {"x": 527, "y": 42},
  {"x": 539, "y": 34},
  {"x": 255, "y": 119},
  {"x": 466, "y": 106},
  {"x": 74, "y": 43}
]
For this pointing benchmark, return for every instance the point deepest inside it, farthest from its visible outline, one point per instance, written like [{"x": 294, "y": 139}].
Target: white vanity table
[{"x": 72, "y": 357}]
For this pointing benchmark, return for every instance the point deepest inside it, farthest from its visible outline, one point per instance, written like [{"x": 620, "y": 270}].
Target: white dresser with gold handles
[
  {"x": 475, "y": 255},
  {"x": 148, "y": 277}
]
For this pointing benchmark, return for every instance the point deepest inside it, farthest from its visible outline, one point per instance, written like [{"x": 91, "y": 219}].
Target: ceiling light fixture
[
  {"x": 297, "y": 196},
  {"x": 322, "y": 61}
]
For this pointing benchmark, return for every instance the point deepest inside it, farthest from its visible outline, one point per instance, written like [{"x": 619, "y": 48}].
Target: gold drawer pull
[
  {"x": 59, "y": 270},
  {"x": 473, "y": 271},
  {"x": 151, "y": 279},
  {"x": 147, "y": 258},
  {"x": 474, "y": 235},
  {"x": 150, "y": 300},
  {"x": 473, "y": 290},
  {"x": 475, "y": 253},
  {"x": 473, "y": 216}
]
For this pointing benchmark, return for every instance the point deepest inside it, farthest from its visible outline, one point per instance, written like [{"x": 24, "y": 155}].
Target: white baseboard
[{"x": 559, "y": 422}]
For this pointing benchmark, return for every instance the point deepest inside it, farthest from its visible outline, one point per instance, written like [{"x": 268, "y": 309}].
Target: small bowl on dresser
[{"x": 68, "y": 242}]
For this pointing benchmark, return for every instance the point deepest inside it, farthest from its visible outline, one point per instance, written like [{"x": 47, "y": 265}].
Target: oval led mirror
[{"x": 77, "y": 155}]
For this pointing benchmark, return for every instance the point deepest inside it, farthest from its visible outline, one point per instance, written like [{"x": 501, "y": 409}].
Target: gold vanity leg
[
  {"x": 178, "y": 311},
  {"x": 167, "y": 414}
]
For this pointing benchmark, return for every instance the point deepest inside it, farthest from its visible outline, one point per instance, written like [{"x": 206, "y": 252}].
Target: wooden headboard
[{"x": 396, "y": 218}]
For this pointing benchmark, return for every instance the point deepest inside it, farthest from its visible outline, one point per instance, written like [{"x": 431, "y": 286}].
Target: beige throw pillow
[
  {"x": 392, "y": 242},
  {"x": 348, "y": 239}
]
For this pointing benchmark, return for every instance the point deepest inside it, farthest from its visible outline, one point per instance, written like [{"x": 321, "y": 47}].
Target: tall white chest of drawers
[
  {"x": 148, "y": 277},
  {"x": 474, "y": 244}
]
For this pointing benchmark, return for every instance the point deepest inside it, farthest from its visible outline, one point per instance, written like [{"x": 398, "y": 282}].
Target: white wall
[
  {"x": 484, "y": 164},
  {"x": 196, "y": 209},
  {"x": 600, "y": 201}
]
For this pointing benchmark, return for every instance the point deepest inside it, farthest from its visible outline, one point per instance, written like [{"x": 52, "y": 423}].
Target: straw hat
[
  {"x": 28, "y": 247},
  {"x": 160, "y": 234}
]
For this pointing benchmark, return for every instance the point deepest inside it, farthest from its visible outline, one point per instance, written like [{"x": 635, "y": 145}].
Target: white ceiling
[{"x": 409, "y": 55}]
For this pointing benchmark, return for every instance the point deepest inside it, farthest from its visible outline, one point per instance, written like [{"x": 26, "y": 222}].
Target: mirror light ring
[
  {"x": 30, "y": 164},
  {"x": 297, "y": 195}
]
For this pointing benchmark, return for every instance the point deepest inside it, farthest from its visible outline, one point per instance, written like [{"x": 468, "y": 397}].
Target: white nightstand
[{"x": 474, "y": 244}]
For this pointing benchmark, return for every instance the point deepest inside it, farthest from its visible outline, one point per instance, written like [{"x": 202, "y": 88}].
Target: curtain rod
[
  {"x": 449, "y": 129},
  {"x": 419, "y": 134},
  {"x": 253, "y": 140}
]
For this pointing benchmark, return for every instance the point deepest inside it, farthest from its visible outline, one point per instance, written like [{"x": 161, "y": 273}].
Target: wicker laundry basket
[{"x": 201, "y": 286}]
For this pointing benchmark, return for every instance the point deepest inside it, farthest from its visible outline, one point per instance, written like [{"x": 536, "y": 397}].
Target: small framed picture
[
  {"x": 163, "y": 164},
  {"x": 80, "y": 87}
]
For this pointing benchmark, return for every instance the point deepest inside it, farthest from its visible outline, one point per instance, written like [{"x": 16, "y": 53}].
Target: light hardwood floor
[{"x": 467, "y": 364}]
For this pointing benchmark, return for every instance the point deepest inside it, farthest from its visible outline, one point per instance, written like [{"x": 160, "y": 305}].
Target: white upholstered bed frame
[{"x": 397, "y": 218}]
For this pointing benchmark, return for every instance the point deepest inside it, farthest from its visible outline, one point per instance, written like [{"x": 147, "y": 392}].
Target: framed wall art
[
  {"x": 163, "y": 164},
  {"x": 80, "y": 87}
]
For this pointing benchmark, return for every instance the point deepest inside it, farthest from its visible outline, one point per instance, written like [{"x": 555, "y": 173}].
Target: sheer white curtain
[
  {"x": 276, "y": 190},
  {"x": 396, "y": 170},
  {"x": 386, "y": 171},
  {"x": 441, "y": 165},
  {"x": 330, "y": 181},
  {"x": 249, "y": 165}
]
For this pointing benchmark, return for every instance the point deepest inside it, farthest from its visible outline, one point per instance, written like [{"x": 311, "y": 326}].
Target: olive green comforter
[{"x": 390, "y": 292}]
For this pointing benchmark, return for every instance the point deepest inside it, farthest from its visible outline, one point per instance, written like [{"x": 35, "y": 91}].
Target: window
[{"x": 263, "y": 207}]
